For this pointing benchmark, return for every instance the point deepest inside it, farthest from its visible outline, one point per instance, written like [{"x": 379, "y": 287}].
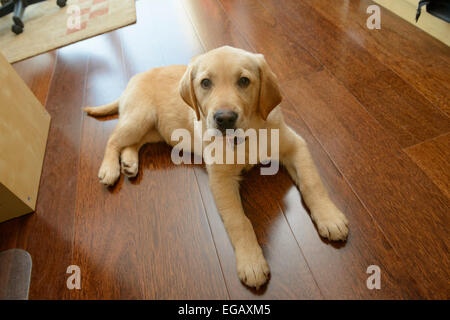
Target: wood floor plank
[
  {"x": 410, "y": 210},
  {"x": 48, "y": 233},
  {"x": 267, "y": 36},
  {"x": 9, "y": 232},
  {"x": 184, "y": 43},
  {"x": 410, "y": 52},
  {"x": 148, "y": 238},
  {"x": 433, "y": 157},
  {"x": 396, "y": 105},
  {"x": 213, "y": 27},
  {"x": 344, "y": 265},
  {"x": 37, "y": 73}
]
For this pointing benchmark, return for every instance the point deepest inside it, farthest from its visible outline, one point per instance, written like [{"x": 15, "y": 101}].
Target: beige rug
[{"x": 48, "y": 26}]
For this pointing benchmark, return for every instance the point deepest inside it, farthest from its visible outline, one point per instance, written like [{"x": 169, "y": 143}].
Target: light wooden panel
[{"x": 24, "y": 125}]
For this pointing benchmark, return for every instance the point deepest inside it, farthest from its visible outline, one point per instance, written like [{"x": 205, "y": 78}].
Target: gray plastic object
[{"x": 15, "y": 274}]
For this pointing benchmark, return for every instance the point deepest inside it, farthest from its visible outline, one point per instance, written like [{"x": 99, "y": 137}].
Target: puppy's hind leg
[
  {"x": 129, "y": 158},
  {"x": 129, "y": 131}
]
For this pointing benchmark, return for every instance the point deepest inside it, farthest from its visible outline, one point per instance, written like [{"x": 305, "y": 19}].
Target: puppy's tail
[{"x": 105, "y": 110}]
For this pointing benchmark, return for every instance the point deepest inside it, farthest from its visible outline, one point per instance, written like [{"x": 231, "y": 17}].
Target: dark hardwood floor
[{"x": 373, "y": 105}]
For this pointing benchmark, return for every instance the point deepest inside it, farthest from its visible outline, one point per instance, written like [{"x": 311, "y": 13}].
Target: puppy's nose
[{"x": 225, "y": 119}]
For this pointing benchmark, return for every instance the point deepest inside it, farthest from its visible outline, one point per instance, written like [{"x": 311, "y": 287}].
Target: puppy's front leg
[
  {"x": 252, "y": 268},
  {"x": 294, "y": 154}
]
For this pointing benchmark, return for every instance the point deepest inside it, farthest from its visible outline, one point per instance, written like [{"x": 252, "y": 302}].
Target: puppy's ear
[
  {"x": 269, "y": 92},
  {"x": 187, "y": 92}
]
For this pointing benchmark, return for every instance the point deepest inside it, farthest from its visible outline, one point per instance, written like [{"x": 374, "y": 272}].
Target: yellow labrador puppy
[{"x": 225, "y": 88}]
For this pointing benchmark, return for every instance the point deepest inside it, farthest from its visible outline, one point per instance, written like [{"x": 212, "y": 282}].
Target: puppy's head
[{"x": 228, "y": 87}]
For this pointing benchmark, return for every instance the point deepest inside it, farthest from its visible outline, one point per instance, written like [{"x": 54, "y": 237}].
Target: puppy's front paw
[
  {"x": 109, "y": 173},
  {"x": 129, "y": 168},
  {"x": 332, "y": 225},
  {"x": 253, "y": 269}
]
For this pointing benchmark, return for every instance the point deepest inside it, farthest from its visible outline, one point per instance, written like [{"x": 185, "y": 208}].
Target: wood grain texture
[
  {"x": 212, "y": 25},
  {"x": 37, "y": 73},
  {"x": 48, "y": 234},
  {"x": 394, "y": 103},
  {"x": 393, "y": 189},
  {"x": 433, "y": 158},
  {"x": 344, "y": 265},
  {"x": 268, "y": 37},
  {"x": 402, "y": 47}
]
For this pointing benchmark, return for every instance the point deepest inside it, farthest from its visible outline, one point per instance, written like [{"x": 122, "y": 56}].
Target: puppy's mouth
[
  {"x": 235, "y": 140},
  {"x": 223, "y": 132},
  {"x": 230, "y": 132},
  {"x": 232, "y": 136}
]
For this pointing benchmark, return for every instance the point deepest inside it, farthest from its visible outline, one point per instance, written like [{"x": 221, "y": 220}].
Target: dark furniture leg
[
  {"x": 19, "y": 8},
  {"x": 61, "y": 3}
]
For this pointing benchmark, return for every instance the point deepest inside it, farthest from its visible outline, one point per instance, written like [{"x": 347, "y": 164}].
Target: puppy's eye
[
  {"x": 244, "y": 82},
  {"x": 206, "y": 83}
]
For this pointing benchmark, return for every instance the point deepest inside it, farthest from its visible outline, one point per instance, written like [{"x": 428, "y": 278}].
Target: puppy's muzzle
[{"x": 225, "y": 119}]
